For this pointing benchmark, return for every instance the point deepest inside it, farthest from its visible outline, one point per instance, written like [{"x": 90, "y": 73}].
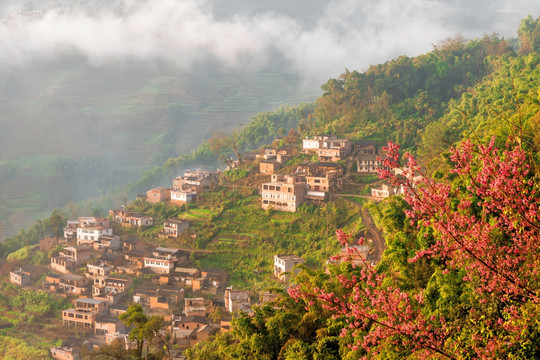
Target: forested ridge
[{"x": 459, "y": 278}]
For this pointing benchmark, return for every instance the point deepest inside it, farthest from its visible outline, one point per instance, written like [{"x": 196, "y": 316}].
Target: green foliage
[
  {"x": 15, "y": 349},
  {"x": 397, "y": 99},
  {"x": 529, "y": 35},
  {"x": 505, "y": 104}
]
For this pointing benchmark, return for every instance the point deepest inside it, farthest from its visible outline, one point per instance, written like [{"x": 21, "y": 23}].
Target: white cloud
[{"x": 347, "y": 34}]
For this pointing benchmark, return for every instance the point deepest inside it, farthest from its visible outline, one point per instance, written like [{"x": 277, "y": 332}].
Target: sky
[{"x": 318, "y": 38}]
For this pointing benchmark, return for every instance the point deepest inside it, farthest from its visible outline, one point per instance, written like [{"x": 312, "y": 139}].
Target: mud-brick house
[
  {"x": 174, "y": 227},
  {"x": 158, "y": 194},
  {"x": 237, "y": 300},
  {"x": 65, "y": 353},
  {"x": 75, "y": 284},
  {"x": 133, "y": 243},
  {"x": 269, "y": 167},
  {"x": 121, "y": 215},
  {"x": 108, "y": 324},
  {"x": 197, "y": 306},
  {"x": 20, "y": 277},
  {"x": 107, "y": 242}
]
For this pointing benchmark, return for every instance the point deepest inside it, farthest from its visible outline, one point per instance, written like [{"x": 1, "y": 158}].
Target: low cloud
[{"x": 342, "y": 34}]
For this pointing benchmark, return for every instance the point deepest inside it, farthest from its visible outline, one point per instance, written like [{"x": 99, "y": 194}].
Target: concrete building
[
  {"x": 284, "y": 264},
  {"x": 284, "y": 193},
  {"x": 237, "y": 300},
  {"x": 174, "y": 226},
  {"x": 20, "y": 277}
]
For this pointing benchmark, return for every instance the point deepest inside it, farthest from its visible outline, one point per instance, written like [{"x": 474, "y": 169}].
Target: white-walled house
[{"x": 87, "y": 235}]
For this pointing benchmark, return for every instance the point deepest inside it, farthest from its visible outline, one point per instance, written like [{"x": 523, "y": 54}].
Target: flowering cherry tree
[{"x": 484, "y": 217}]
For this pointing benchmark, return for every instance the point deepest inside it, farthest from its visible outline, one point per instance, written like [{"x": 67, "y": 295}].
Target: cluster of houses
[
  {"x": 98, "y": 268},
  {"x": 101, "y": 282},
  {"x": 314, "y": 182},
  {"x": 185, "y": 189}
]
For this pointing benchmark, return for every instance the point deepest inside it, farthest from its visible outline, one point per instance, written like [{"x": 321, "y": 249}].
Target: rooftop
[
  {"x": 90, "y": 301},
  {"x": 288, "y": 257}
]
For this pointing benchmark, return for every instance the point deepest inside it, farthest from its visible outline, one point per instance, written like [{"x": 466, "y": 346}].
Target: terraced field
[{"x": 128, "y": 115}]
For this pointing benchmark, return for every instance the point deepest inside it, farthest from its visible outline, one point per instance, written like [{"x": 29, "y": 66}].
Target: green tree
[
  {"x": 145, "y": 332},
  {"x": 55, "y": 224}
]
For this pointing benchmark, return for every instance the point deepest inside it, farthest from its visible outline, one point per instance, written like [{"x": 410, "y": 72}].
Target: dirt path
[{"x": 379, "y": 244}]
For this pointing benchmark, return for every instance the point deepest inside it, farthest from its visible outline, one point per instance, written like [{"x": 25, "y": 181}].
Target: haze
[
  {"x": 94, "y": 92},
  {"x": 319, "y": 38}
]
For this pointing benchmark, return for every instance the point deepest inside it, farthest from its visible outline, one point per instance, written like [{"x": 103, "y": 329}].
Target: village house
[
  {"x": 139, "y": 221},
  {"x": 369, "y": 157},
  {"x": 215, "y": 277},
  {"x": 108, "y": 324},
  {"x": 197, "y": 306},
  {"x": 77, "y": 254},
  {"x": 180, "y": 196},
  {"x": 52, "y": 282},
  {"x": 135, "y": 258},
  {"x": 334, "y": 154},
  {"x": 121, "y": 215},
  {"x": 85, "y": 312},
  {"x": 117, "y": 284},
  {"x": 177, "y": 255},
  {"x": 320, "y": 186},
  {"x": 284, "y": 264},
  {"x": 107, "y": 242},
  {"x": 269, "y": 167},
  {"x": 65, "y": 353},
  {"x": 20, "y": 277},
  {"x": 268, "y": 296},
  {"x": 111, "y": 260},
  {"x": 133, "y": 243},
  {"x": 47, "y": 243},
  {"x": 75, "y": 284},
  {"x": 62, "y": 264},
  {"x": 118, "y": 310},
  {"x": 70, "y": 257},
  {"x": 206, "y": 332},
  {"x": 237, "y": 300},
  {"x": 53, "y": 278},
  {"x": 284, "y": 193},
  {"x": 158, "y": 194},
  {"x": 184, "y": 276},
  {"x": 329, "y": 143},
  {"x": 196, "y": 181},
  {"x": 386, "y": 190},
  {"x": 190, "y": 322},
  {"x": 312, "y": 145},
  {"x": 70, "y": 231},
  {"x": 90, "y": 234},
  {"x": 174, "y": 227},
  {"x": 355, "y": 254},
  {"x": 164, "y": 297}
]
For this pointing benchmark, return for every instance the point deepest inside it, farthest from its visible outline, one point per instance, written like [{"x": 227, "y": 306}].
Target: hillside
[
  {"x": 436, "y": 291},
  {"x": 81, "y": 129}
]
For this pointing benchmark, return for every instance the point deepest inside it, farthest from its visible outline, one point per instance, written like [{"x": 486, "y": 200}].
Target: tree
[
  {"x": 529, "y": 35},
  {"x": 221, "y": 145},
  {"x": 484, "y": 228},
  {"x": 56, "y": 223},
  {"x": 145, "y": 330}
]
